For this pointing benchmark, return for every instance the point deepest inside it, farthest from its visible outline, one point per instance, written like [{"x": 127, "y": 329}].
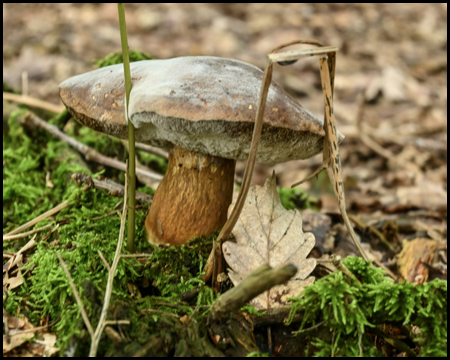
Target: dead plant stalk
[{"x": 95, "y": 336}]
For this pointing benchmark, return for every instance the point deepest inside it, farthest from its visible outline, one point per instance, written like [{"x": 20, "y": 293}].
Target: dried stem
[
  {"x": 32, "y": 102},
  {"x": 25, "y": 234},
  {"x": 112, "y": 187},
  {"x": 104, "y": 260},
  {"x": 131, "y": 140},
  {"x": 153, "y": 150},
  {"x": 39, "y": 218},
  {"x": 258, "y": 281},
  {"x": 308, "y": 329},
  {"x": 95, "y": 336},
  {"x": 337, "y": 261},
  {"x": 111, "y": 274},
  {"x": 77, "y": 297}
]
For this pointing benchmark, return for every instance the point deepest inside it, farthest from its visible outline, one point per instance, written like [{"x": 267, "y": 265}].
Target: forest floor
[{"x": 390, "y": 103}]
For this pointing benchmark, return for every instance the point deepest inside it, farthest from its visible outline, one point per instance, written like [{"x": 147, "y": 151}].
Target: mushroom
[{"x": 202, "y": 109}]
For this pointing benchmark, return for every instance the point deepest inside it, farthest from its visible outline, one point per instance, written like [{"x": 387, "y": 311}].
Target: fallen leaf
[
  {"x": 15, "y": 322},
  {"x": 134, "y": 291},
  {"x": 15, "y": 339},
  {"x": 45, "y": 347},
  {"x": 17, "y": 333},
  {"x": 413, "y": 257},
  {"x": 268, "y": 233}
]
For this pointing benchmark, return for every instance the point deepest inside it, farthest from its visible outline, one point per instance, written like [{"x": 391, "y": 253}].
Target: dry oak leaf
[{"x": 268, "y": 233}]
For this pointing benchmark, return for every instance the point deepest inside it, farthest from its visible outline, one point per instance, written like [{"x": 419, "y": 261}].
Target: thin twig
[
  {"x": 135, "y": 255},
  {"x": 18, "y": 256},
  {"x": 77, "y": 297},
  {"x": 371, "y": 229},
  {"x": 39, "y": 218},
  {"x": 131, "y": 138},
  {"x": 117, "y": 322},
  {"x": 25, "y": 234},
  {"x": 337, "y": 261},
  {"x": 105, "y": 216},
  {"x": 89, "y": 153},
  {"x": 331, "y": 158},
  {"x": 308, "y": 329},
  {"x": 113, "y": 188},
  {"x": 152, "y": 150},
  {"x": 111, "y": 274},
  {"x": 32, "y": 102},
  {"x": 104, "y": 260},
  {"x": 160, "y": 312},
  {"x": 46, "y": 236}
]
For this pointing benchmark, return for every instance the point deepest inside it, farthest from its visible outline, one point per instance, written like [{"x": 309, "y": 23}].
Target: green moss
[
  {"x": 116, "y": 58},
  {"x": 295, "y": 198},
  {"x": 350, "y": 310}
]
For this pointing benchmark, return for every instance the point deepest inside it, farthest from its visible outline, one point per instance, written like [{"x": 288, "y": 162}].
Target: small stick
[
  {"x": 337, "y": 261},
  {"x": 77, "y": 297},
  {"x": 104, "y": 260},
  {"x": 32, "y": 102},
  {"x": 39, "y": 218},
  {"x": 135, "y": 255},
  {"x": 105, "y": 216},
  {"x": 101, "y": 323},
  {"x": 89, "y": 153},
  {"x": 371, "y": 229},
  {"x": 152, "y": 150},
  {"x": 331, "y": 148},
  {"x": 117, "y": 322},
  {"x": 131, "y": 138},
  {"x": 308, "y": 329},
  {"x": 331, "y": 161},
  {"x": 18, "y": 256},
  {"x": 278, "y": 315},
  {"x": 160, "y": 312},
  {"x": 112, "y": 187},
  {"x": 25, "y": 234},
  {"x": 258, "y": 281},
  {"x": 95, "y": 336}
]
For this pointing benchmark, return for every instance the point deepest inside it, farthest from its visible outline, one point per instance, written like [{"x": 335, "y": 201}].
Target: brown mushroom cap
[{"x": 203, "y": 104}]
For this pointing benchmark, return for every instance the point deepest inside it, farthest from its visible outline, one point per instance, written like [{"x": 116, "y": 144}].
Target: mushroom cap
[{"x": 202, "y": 103}]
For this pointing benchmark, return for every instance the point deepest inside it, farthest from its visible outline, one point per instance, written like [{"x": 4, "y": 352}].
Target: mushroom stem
[{"x": 192, "y": 199}]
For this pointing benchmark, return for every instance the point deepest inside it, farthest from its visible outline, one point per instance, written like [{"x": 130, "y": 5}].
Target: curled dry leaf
[{"x": 268, "y": 233}]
